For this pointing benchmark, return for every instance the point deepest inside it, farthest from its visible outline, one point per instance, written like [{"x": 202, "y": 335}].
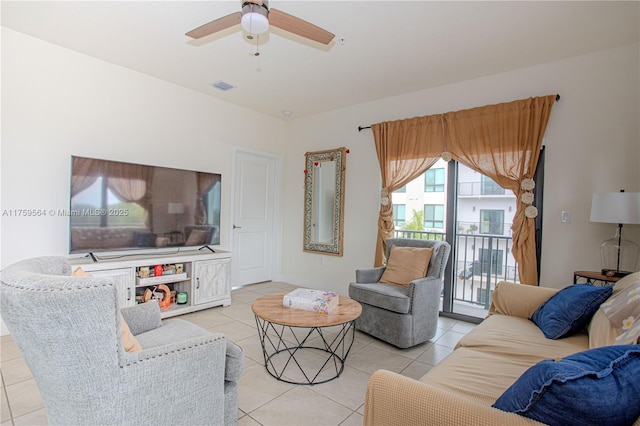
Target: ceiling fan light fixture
[{"x": 254, "y": 19}]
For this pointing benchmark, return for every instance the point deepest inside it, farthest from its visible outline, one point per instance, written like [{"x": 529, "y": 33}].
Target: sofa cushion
[
  {"x": 519, "y": 337},
  {"x": 390, "y": 297},
  {"x": 518, "y": 300},
  {"x": 406, "y": 264},
  {"x": 476, "y": 374},
  {"x": 172, "y": 330},
  {"x": 569, "y": 310},
  {"x": 492, "y": 356},
  {"x": 598, "y": 386}
]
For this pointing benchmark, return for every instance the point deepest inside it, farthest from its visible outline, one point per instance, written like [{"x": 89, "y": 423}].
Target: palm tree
[{"x": 417, "y": 221}]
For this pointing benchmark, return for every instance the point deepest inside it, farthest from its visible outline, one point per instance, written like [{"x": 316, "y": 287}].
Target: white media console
[{"x": 204, "y": 277}]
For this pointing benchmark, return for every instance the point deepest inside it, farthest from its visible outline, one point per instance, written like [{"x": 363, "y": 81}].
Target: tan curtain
[
  {"x": 132, "y": 190},
  {"x": 130, "y": 182},
  {"x": 205, "y": 182},
  {"x": 406, "y": 149},
  {"x": 503, "y": 142},
  {"x": 85, "y": 173}
]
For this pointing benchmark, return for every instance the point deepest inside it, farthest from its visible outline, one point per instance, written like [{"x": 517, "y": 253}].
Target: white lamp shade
[
  {"x": 616, "y": 207},
  {"x": 254, "y": 23}
]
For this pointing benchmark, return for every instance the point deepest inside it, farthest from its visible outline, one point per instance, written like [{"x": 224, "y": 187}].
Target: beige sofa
[{"x": 461, "y": 389}]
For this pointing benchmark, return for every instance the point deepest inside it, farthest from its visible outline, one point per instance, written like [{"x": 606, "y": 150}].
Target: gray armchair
[
  {"x": 401, "y": 316},
  {"x": 70, "y": 335}
]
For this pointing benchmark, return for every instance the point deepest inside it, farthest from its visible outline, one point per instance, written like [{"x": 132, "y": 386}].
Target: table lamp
[{"x": 619, "y": 256}]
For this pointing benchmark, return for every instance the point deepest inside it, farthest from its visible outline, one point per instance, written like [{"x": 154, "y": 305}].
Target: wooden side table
[{"x": 594, "y": 277}]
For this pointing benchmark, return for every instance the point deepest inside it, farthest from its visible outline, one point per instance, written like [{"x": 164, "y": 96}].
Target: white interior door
[{"x": 253, "y": 218}]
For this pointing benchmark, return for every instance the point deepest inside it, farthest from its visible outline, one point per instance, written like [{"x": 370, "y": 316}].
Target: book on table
[{"x": 320, "y": 301}]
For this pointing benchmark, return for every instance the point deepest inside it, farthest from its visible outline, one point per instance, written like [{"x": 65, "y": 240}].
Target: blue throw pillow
[
  {"x": 569, "y": 310},
  {"x": 595, "y": 387}
]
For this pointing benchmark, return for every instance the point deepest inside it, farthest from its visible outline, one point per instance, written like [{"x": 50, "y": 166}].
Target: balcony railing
[
  {"x": 466, "y": 189},
  {"x": 420, "y": 235},
  {"x": 481, "y": 261}
]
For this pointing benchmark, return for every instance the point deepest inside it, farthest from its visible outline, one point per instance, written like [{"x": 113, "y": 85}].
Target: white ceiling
[{"x": 382, "y": 48}]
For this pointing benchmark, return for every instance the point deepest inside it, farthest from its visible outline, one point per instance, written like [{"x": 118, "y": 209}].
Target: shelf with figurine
[
  {"x": 166, "y": 296},
  {"x": 195, "y": 280},
  {"x": 160, "y": 274}
]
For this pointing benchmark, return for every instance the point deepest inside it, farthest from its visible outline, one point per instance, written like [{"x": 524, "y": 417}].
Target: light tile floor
[{"x": 262, "y": 400}]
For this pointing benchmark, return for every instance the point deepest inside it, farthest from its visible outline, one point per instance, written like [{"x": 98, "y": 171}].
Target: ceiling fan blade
[
  {"x": 216, "y": 25},
  {"x": 298, "y": 26}
]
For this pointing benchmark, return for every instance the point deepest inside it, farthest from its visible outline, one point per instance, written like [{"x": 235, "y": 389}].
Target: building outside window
[
  {"x": 399, "y": 215},
  {"x": 99, "y": 190},
  {"x": 491, "y": 260},
  {"x": 434, "y": 180},
  {"x": 434, "y": 216},
  {"x": 481, "y": 232},
  {"x": 490, "y": 187},
  {"x": 492, "y": 222}
]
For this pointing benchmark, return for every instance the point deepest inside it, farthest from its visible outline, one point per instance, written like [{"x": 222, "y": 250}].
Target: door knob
[{"x": 236, "y": 227}]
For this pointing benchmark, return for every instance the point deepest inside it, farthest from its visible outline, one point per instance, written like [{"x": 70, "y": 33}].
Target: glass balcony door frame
[{"x": 452, "y": 238}]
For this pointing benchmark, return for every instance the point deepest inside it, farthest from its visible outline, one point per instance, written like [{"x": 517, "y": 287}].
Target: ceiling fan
[{"x": 256, "y": 17}]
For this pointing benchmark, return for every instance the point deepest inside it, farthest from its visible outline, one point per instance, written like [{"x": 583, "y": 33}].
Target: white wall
[
  {"x": 592, "y": 145},
  {"x": 57, "y": 103}
]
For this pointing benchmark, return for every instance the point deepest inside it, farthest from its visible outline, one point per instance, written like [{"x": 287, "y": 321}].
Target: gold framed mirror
[{"x": 324, "y": 201}]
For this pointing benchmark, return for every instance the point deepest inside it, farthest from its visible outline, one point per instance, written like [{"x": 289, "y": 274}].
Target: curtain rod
[{"x": 361, "y": 128}]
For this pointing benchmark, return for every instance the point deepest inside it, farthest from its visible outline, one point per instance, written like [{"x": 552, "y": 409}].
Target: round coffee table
[{"x": 303, "y": 347}]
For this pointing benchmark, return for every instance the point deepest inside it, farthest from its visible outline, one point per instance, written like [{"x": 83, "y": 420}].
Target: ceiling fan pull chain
[
  {"x": 250, "y": 35},
  {"x": 257, "y": 46}
]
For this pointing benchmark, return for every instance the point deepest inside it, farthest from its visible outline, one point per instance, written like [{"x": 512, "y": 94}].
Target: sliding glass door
[
  {"x": 481, "y": 213},
  {"x": 469, "y": 210}
]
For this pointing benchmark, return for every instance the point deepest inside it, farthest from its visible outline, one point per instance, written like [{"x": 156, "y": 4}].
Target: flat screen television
[{"x": 123, "y": 206}]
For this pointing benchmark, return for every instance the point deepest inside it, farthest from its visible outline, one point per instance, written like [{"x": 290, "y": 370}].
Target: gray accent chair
[
  {"x": 404, "y": 317},
  {"x": 69, "y": 332}
]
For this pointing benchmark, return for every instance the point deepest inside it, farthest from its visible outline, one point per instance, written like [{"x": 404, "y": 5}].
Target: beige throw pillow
[
  {"x": 78, "y": 272},
  {"x": 129, "y": 342},
  {"x": 406, "y": 264},
  {"x": 624, "y": 308}
]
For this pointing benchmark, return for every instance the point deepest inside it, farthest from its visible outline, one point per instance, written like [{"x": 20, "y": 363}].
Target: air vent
[{"x": 221, "y": 85}]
